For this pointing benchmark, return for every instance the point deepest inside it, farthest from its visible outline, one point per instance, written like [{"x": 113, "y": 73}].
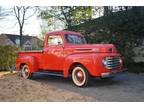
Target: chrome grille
[{"x": 112, "y": 62}]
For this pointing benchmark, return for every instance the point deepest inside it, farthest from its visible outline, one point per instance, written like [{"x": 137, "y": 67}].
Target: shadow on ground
[
  {"x": 94, "y": 82},
  {"x": 123, "y": 87}
]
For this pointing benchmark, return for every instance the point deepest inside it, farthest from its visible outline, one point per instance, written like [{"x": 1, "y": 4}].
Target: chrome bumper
[{"x": 111, "y": 74}]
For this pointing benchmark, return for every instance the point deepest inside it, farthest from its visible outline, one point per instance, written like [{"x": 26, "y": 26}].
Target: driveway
[{"x": 123, "y": 87}]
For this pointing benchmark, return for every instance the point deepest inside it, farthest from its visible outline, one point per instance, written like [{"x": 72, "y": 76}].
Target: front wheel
[
  {"x": 80, "y": 76},
  {"x": 25, "y": 72}
]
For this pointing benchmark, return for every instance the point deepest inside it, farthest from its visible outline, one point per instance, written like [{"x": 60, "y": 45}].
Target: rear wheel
[
  {"x": 80, "y": 76},
  {"x": 25, "y": 72}
]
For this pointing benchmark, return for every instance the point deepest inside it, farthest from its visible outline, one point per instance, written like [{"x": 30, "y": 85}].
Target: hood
[{"x": 101, "y": 48}]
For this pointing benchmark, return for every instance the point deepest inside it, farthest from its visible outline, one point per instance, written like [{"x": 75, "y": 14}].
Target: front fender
[
  {"x": 29, "y": 60},
  {"x": 86, "y": 60}
]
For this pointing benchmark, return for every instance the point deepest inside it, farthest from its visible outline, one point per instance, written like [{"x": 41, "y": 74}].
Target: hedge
[
  {"x": 8, "y": 55},
  {"x": 124, "y": 29}
]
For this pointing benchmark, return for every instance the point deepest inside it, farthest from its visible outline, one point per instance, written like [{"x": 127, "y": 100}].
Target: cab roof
[{"x": 62, "y": 32}]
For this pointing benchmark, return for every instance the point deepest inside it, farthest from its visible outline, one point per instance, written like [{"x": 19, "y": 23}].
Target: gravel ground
[
  {"x": 126, "y": 87},
  {"x": 15, "y": 88}
]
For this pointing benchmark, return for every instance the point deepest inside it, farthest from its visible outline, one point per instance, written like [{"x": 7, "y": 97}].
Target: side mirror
[{"x": 59, "y": 43}]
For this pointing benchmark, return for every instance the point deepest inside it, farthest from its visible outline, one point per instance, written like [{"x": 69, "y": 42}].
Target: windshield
[{"x": 75, "y": 39}]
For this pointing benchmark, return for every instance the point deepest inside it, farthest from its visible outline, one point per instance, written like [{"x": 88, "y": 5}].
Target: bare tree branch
[{"x": 20, "y": 14}]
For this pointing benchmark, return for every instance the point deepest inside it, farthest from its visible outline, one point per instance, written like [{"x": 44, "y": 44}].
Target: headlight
[
  {"x": 105, "y": 62},
  {"x": 120, "y": 60}
]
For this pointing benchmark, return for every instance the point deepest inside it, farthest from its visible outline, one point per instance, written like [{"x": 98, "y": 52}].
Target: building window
[
  {"x": 27, "y": 45},
  {"x": 17, "y": 41}
]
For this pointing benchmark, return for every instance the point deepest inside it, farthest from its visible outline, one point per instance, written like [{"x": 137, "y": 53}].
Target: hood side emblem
[{"x": 110, "y": 49}]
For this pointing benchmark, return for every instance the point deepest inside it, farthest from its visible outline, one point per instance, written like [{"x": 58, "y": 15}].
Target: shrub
[
  {"x": 8, "y": 56},
  {"x": 123, "y": 29}
]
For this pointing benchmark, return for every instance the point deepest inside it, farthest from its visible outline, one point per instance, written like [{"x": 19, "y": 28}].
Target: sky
[
  {"x": 9, "y": 25},
  {"x": 32, "y": 26}
]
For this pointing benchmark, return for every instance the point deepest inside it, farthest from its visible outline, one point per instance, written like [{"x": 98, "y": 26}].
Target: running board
[{"x": 51, "y": 73}]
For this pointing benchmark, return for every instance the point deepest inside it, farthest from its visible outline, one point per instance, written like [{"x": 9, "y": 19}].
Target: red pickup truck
[{"x": 66, "y": 53}]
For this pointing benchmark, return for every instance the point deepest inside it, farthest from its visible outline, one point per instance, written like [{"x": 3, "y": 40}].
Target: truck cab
[{"x": 67, "y": 53}]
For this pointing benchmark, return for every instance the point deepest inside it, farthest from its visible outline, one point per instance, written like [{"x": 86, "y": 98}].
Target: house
[{"x": 28, "y": 42}]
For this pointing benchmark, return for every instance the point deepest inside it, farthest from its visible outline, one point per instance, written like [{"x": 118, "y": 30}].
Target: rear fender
[{"x": 30, "y": 61}]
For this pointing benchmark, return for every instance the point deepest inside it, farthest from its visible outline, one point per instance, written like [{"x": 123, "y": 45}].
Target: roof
[
  {"x": 25, "y": 38},
  {"x": 63, "y": 32}
]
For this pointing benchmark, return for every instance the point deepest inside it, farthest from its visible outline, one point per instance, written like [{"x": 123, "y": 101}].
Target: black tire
[
  {"x": 80, "y": 76},
  {"x": 25, "y": 72}
]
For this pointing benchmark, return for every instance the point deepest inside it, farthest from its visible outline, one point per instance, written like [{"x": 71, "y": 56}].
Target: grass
[{"x": 6, "y": 72}]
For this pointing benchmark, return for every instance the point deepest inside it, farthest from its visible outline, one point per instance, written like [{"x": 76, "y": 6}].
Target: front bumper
[{"x": 112, "y": 73}]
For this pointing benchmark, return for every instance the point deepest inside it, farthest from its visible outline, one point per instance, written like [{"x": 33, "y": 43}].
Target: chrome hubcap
[
  {"x": 25, "y": 72},
  {"x": 79, "y": 76}
]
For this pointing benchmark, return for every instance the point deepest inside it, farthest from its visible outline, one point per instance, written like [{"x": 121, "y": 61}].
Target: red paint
[{"x": 64, "y": 56}]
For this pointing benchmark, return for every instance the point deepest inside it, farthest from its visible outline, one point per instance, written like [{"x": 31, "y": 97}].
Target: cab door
[{"x": 54, "y": 56}]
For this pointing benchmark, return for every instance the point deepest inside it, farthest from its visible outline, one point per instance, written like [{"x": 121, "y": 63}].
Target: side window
[{"x": 55, "y": 40}]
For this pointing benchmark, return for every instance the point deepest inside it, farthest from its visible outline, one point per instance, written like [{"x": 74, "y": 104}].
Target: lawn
[{"x": 5, "y": 73}]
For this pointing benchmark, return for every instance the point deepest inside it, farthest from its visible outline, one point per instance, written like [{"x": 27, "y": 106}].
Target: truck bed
[
  {"x": 31, "y": 51},
  {"x": 37, "y": 54}
]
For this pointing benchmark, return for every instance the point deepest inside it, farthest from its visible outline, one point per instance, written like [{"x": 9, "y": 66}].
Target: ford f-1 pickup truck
[{"x": 67, "y": 53}]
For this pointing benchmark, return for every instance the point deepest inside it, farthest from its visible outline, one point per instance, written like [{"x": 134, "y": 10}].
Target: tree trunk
[
  {"x": 21, "y": 34},
  {"x": 69, "y": 26},
  {"x": 106, "y": 10}
]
